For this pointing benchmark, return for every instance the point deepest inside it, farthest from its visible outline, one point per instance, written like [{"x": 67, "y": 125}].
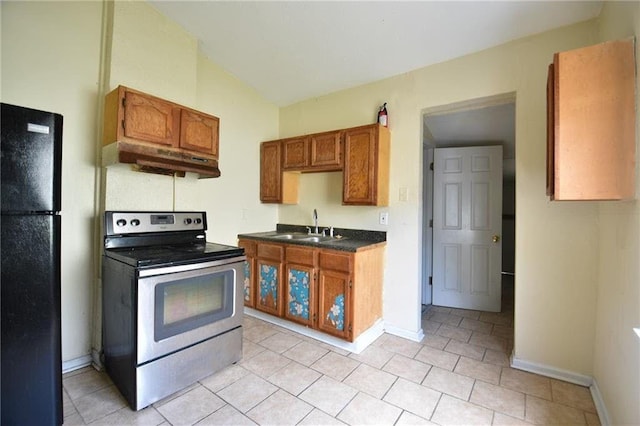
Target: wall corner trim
[
  {"x": 416, "y": 336},
  {"x": 567, "y": 376},
  {"x": 605, "y": 420}
]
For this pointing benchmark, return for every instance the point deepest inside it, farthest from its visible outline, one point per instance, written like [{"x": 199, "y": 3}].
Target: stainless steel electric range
[{"x": 172, "y": 303}]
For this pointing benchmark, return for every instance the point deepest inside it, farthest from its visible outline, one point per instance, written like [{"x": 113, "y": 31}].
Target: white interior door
[{"x": 467, "y": 228}]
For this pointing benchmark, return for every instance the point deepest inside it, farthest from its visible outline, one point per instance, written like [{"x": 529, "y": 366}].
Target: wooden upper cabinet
[
  {"x": 366, "y": 166},
  {"x": 362, "y": 153},
  {"x": 295, "y": 153},
  {"x": 592, "y": 130},
  {"x": 199, "y": 132},
  {"x": 326, "y": 150},
  {"x": 313, "y": 153},
  {"x": 148, "y": 118},
  {"x": 137, "y": 117},
  {"x": 550, "y": 132},
  {"x": 270, "y": 172}
]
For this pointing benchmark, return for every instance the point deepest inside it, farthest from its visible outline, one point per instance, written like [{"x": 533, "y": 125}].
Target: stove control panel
[{"x": 119, "y": 223}]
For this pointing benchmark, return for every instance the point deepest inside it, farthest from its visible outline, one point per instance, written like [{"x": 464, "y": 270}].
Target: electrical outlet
[{"x": 384, "y": 218}]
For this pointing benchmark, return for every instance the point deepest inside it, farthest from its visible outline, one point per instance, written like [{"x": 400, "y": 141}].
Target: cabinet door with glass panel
[
  {"x": 269, "y": 259},
  {"x": 334, "y": 293},
  {"x": 249, "y": 292},
  {"x": 300, "y": 287}
]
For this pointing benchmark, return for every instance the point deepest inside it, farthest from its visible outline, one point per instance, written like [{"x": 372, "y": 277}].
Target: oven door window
[{"x": 186, "y": 304}]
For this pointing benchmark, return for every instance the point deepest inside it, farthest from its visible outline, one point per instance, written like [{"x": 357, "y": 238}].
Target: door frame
[{"x": 426, "y": 208}]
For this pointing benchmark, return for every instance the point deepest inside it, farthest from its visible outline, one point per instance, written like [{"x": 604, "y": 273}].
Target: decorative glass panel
[
  {"x": 336, "y": 313},
  {"x": 247, "y": 281},
  {"x": 299, "y": 293},
  {"x": 268, "y": 284}
]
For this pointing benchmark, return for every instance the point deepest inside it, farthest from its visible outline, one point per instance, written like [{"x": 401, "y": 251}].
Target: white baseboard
[
  {"x": 357, "y": 346},
  {"x": 415, "y": 336},
  {"x": 76, "y": 363},
  {"x": 605, "y": 420},
  {"x": 553, "y": 372},
  {"x": 567, "y": 376}
]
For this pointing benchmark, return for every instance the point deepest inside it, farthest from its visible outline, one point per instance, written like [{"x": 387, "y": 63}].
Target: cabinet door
[
  {"x": 269, "y": 284},
  {"x": 299, "y": 295},
  {"x": 550, "y": 132},
  {"x": 334, "y": 303},
  {"x": 326, "y": 149},
  {"x": 270, "y": 173},
  {"x": 199, "y": 132},
  {"x": 150, "y": 119},
  {"x": 249, "y": 289},
  {"x": 366, "y": 166},
  {"x": 295, "y": 153},
  {"x": 594, "y": 122},
  {"x": 249, "y": 272}
]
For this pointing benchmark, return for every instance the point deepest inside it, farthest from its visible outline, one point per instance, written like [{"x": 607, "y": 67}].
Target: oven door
[{"x": 180, "y": 306}]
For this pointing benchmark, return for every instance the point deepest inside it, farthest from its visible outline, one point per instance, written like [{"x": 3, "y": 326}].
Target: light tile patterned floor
[{"x": 459, "y": 374}]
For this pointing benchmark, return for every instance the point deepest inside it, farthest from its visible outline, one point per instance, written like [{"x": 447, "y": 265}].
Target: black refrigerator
[{"x": 30, "y": 349}]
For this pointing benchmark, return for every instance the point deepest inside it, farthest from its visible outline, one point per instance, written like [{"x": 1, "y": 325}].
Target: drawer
[
  {"x": 270, "y": 251},
  {"x": 300, "y": 255},
  {"x": 335, "y": 261},
  {"x": 248, "y": 246}
]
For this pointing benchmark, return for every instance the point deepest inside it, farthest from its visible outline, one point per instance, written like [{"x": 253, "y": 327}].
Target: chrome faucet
[
  {"x": 326, "y": 231},
  {"x": 315, "y": 220}
]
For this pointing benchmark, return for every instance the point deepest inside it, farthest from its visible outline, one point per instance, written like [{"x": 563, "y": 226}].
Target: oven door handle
[{"x": 189, "y": 267}]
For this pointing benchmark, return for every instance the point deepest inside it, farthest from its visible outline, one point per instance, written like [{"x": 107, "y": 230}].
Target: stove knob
[
  {"x": 135, "y": 222},
  {"x": 121, "y": 222},
  {"x": 187, "y": 221},
  {"x": 198, "y": 221}
]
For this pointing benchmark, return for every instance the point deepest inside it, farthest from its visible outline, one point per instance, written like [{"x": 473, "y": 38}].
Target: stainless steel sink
[
  {"x": 322, "y": 239},
  {"x": 305, "y": 237},
  {"x": 291, "y": 236},
  {"x": 315, "y": 239}
]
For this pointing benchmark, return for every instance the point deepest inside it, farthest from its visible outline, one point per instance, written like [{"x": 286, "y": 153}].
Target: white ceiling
[
  {"x": 290, "y": 51},
  {"x": 295, "y": 50}
]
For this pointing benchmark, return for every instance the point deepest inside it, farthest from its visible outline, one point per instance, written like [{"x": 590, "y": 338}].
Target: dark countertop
[{"x": 351, "y": 240}]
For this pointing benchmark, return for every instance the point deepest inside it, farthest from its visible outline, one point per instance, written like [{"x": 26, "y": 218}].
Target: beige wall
[
  {"x": 50, "y": 61},
  {"x": 154, "y": 55},
  {"x": 617, "y": 348},
  {"x": 556, "y": 246},
  {"x": 577, "y": 272}
]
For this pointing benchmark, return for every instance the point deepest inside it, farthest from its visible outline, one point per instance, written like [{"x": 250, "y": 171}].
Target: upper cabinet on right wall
[
  {"x": 366, "y": 166},
  {"x": 591, "y": 123}
]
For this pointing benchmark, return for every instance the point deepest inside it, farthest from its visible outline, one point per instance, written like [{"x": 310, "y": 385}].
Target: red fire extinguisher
[{"x": 383, "y": 118}]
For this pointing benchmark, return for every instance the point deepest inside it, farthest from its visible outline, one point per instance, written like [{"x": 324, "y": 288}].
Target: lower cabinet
[
  {"x": 334, "y": 314},
  {"x": 269, "y": 259},
  {"x": 336, "y": 292},
  {"x": 300, "y": 287},
  {"x": 249, "y": 247}
]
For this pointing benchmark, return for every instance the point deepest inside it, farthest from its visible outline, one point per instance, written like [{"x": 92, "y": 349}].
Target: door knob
[{"x": 495, "y": 238}]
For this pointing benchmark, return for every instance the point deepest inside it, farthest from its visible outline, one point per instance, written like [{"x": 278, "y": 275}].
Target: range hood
[{"x": 159, "y": 160}]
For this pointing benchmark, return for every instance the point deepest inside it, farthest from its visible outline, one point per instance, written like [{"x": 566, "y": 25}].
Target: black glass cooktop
[{"x": 173, "y": 254}]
